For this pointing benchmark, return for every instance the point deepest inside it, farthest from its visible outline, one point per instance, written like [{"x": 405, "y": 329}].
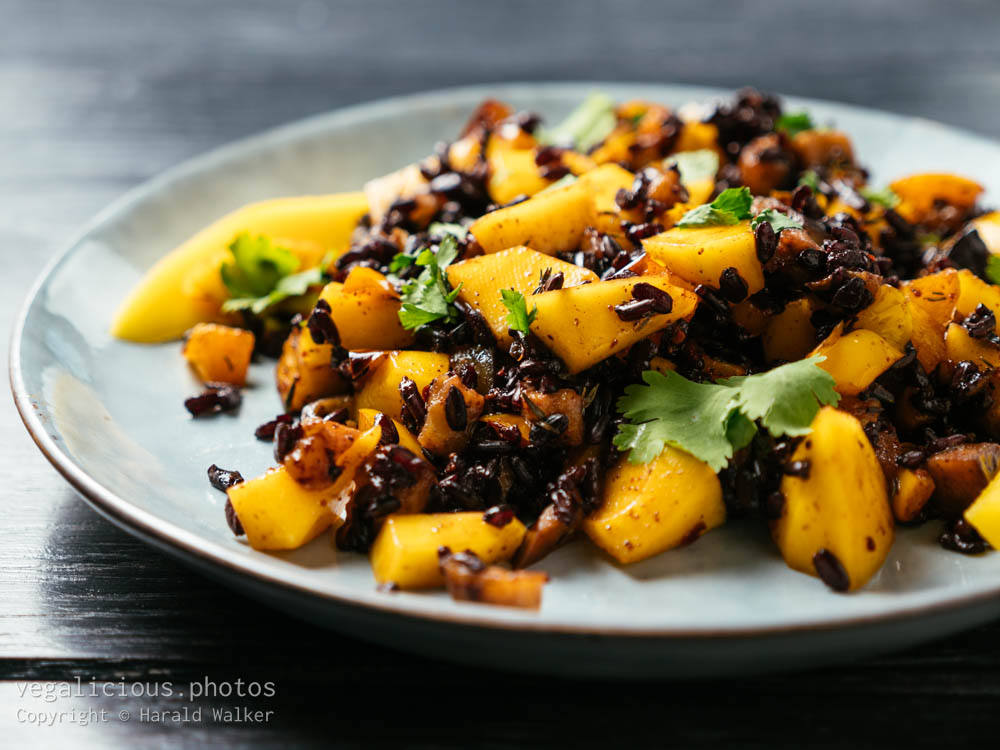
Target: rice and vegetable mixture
[{"x": 626, "y": 327}]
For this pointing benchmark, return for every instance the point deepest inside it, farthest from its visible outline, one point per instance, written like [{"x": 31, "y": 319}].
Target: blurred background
[{"x": 99, "y": 95}]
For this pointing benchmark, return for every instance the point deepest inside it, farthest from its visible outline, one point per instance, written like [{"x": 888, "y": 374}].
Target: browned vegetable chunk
[
  {"x": 452, "y": 410},
  {"x": 469, "y": 579},
  {"x": 219, "y": 354},
  {"x": 960, "y": 473}
]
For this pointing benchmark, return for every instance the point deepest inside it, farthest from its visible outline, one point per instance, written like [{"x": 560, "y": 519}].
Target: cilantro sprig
[
  {"x": 586, "y": 126},
  {"x": 993, "y": 269},
  {"x": 794, "y": 123},
  {"x": 730, "y": 207},
  {"x": 518, "y": 317},
  {"x": 429, "y": 297},
  {"x": 885, "y": 197},
  {"x": 262, "y": 274},
  {"x": 702, "y": 164},
  {"x": 713, "y": 420},
  {"x": 776, "y": 219}
]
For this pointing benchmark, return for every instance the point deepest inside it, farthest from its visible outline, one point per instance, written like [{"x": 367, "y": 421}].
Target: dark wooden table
[{"x": 98, "y": 95}]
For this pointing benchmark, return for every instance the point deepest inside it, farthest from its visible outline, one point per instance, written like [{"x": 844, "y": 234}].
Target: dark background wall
[{"x": 98, "y": 95}]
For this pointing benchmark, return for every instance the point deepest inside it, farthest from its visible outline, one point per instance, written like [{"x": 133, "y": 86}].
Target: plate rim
[{"x": 189, "y": 546}]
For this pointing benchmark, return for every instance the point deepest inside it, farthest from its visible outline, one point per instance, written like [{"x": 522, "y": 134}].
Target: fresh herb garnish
[
  {"x": 884, "y": 197},
  {"x": 730, "y": 207},
  {"x": 400, "y": 261},
  {"x": 587, "y": 125},
  {"x": 428, "y": 297},
  {"x": 794, "y": 123},
  {"x": 776, "y": 219},
  {"x": 263, "y": 274},
  {"x": 695, "y": 165},
  {"x": 810, "y": 178},
  {"x": 713, "y": 420},
  {"x": 443, "y": 229},
  {"x": 993, "y": 269},
  {"x": 518, "y": 317}
]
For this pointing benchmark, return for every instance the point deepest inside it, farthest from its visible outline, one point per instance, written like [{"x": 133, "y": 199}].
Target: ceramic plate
[{"x": 109, "y": 416}]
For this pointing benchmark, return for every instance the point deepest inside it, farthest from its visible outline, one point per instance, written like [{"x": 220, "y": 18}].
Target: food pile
[{"x": 627, "y": 327}]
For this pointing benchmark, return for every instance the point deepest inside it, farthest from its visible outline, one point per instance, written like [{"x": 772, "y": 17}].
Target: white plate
[{"x": 109, "y": 416}]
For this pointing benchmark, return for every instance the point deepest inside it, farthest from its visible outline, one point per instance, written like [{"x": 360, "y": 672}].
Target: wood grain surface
[{"x": 98, "y": 95}]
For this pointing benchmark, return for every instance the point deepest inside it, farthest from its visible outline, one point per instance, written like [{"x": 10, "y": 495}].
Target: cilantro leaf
[
  {"x": 587, "y": 125},
  {"x": 671, "y": 409},
  {"x": 428, "y": 297},
  {"x": 884, "y": 197},
  {"x": 794, "y": 123},
  {"x": 776, "y": 219},
  {"x": 695, "y": 165},
  {"x": 399, "y": 262},
  {"x": 518, "y": 317},
  {"x": 257, "y": 266},
  {"x": 993, "y": 269},
  {"x": 810, "y": 178},
  {"x": 713, "y": 420},
  {"x": 730, "y": 207},
  {"x": 262, "y": 275},
  {"x": 443, "y": 229},
  {"x": 785, "y": 399}
]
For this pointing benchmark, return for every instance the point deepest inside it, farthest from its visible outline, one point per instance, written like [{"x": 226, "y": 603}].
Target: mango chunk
[
  {"x": 960, "y": 346},
  {"x": 405, "y": 552},
  {"x": 366, "y": 420},
  {"x": 380, "y": 390},
  {"x": 512, "y": 169},
  {"x": 549, "y": 222},
  {"x": 856, "y": 359},
  {"x": 518, "y": 268},
  {"x": 973, "y": 291},
  {"x": 919, "y": 194},
  {"x": 650, "y": 508},
  {"x": 701, "y": 254},
  {"x": 219, "y": 354},
  {"x": 791, "y": 335},
  {"x": 365, "y": 309},
  {"x": 304, "y": 372},
  {"x": 183, "y": 288},
  {"x": 840, "y": 505},
  {"x": 889, "y": 316},
  {"x": 581, "y": 327},
  {"x": 279, "y": 513},
  {"x": 984, "y": 513}
]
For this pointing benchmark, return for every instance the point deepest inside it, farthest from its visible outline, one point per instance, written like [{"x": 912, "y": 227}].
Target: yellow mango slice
[
  {"x": 984, "y": 513},
  {"x": 889, "y": 316},
  {"x": 701, "y": 254},
  {"x": 365, "y": 309},
  {"x": 366, "y": 420},
  {"x": 790, "y": 335},
  {"x": 927, "y": 337},
  {"x": 960, "y": 346},
  {"x": 649, "y": 508},
  {"x": 973, "y": 291},
  {"x": 580, "y": 326},
  {"x": 856, "y": 359},
  {"x": 549, "y": 222},
  {"x": 279, "y": 513},
  {"x": 518, "y": 268},
  {"x": 183, "y": 287},
  {"x": 380, "y": 390},
  {"x": 841, "y": 506},
  {"x": 405, "y": 552}
]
